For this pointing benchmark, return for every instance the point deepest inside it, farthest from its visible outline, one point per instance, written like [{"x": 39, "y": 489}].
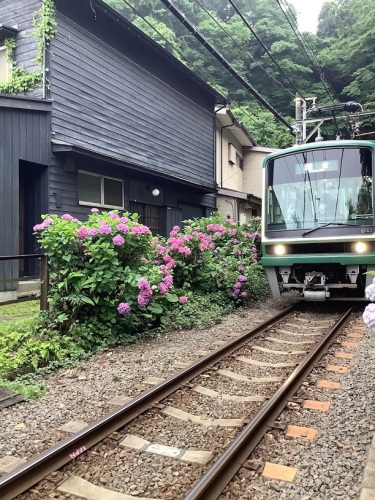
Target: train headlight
[
  {"x": 361, "y": 247},
  {"x": 280, "y": 250}
]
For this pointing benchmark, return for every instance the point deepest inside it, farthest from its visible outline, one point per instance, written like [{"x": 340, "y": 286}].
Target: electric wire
[
  {"x": 284, "y": 11},
  {"x": 202, "y": 75},
  {"x": 263, "y": 45},
  {"x": 175, "y": 49},
  {"x": 292, "y": 16},
  {"x": 242, "y": 47},
  {"x": 182, "y": 18}
]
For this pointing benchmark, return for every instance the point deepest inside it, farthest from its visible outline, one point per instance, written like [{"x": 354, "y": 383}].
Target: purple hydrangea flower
[
  {"x": 123, "y": 228},
  {"x": 168, "y": 280},
  {"x": 142, "y": 300},
  {"x": 93, "y": 232},
  {"x": 370, "y": 291},
  {"x": 143, "y": 283},
  {"x": 118, "y": 240},
  {"x": 123, "y": 308},
  {"x": 369, "y": 316},
  {"x": 163, "y": 288},
  {"x": 242, "y": 278}
]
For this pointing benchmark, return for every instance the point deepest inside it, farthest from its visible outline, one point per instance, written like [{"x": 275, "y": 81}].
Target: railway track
[{"x": 249, "y": 381}]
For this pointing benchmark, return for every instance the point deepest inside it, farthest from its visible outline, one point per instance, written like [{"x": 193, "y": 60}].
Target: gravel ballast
[{"x": 328, "y": 467}]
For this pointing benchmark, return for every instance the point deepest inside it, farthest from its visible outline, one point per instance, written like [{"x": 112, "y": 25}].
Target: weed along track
[{"x": 189, "y": 435}]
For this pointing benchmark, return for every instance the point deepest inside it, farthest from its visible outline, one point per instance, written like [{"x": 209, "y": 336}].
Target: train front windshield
[{"x": 310, "y": 188}]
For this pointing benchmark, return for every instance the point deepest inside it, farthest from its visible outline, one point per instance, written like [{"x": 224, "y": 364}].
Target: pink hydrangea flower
[
  {"x": 94, "y": 210},
  {"x": 67, "y": 217},
  {"x": 113, "y": 216},
  {"x": 93, "y": 232},
  {"x": 47, "y": 222},
  {"x": 82, "y": 233},
  {"x": 182, "y": 299},
  {"x": 38, "y": 227},
  {"x": 105, "y": 229},
  {"x": 118, "y": 240}
]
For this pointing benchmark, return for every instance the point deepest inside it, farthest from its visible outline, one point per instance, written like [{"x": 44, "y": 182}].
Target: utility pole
[{"x": 300, "y": 125}]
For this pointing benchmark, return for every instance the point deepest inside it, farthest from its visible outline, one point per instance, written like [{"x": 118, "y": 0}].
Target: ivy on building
[{"x": 45, "y": 29}]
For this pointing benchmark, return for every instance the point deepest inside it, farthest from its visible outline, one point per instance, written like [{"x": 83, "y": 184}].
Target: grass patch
[
  {"x": 29, "y": 386},
  {"x": 20, "y": 309}
]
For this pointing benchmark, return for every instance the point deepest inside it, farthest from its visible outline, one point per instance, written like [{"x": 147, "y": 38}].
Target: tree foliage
[{"x": 337, "y": 61}]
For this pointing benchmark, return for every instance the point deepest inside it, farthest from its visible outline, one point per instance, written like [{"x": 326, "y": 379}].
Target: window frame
[
  {"x": 239, "y": 160},
  {"x": 102, "y": 178}
]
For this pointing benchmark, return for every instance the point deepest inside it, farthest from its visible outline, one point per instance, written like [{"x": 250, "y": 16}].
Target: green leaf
[
  {"x": 171, "y": 297},
  {"x": 87, "y": 300},
  {"x": 155, "y": 308}
]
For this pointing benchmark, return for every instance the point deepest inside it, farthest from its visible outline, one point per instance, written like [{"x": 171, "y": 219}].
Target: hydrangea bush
[{"x": 110, "y": 277}]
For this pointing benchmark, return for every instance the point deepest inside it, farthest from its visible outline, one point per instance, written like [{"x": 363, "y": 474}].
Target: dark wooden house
[{"x": 116, "y": 122}]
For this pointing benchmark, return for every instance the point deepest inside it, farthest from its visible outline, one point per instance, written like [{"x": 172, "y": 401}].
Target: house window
[
  {"x": 5, "y": 65},
  {"x": 100, "y": 191},
  {"x": 239, "y": 161}
]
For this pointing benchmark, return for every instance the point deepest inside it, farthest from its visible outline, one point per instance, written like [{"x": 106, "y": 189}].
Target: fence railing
[{"x": 43, "y": 276}]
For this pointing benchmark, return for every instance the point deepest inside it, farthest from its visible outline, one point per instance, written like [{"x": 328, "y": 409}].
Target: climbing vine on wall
[{"x": 45, "y": 29}]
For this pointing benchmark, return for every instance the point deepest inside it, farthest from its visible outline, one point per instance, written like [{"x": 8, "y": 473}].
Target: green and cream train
[{"x": 318, "y": 231}]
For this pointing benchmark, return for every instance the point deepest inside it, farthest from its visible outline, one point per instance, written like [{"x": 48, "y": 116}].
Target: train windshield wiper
[{"x": 326, "y": 225}]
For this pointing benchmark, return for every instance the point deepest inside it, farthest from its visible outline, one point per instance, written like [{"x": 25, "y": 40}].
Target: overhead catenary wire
[
  {"x": 200, "y": 73},
  {"x": 284, "y": 11},
  {"x": 295, "y": 21},
  {"x": 181, "y": 17},
  {"x": 307, "y": 44},
  {"x": 264, "y": 46},
  {"x": 242, "y": 47},
  {"x": 203, "y": 76}
]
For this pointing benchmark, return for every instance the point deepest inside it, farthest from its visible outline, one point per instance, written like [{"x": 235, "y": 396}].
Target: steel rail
[
  {"x": 29, "y": 474},
  {"x": 212, "y": 484}
]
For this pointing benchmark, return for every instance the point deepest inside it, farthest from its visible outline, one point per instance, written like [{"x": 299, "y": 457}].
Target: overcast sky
[{"x": 308, "y": 12}]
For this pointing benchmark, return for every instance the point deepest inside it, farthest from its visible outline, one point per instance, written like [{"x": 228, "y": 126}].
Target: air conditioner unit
[{"x": 231, "y": 154}]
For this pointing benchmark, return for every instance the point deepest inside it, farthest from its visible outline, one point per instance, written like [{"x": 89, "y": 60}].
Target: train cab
[{"x": 318, "y": 219}]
